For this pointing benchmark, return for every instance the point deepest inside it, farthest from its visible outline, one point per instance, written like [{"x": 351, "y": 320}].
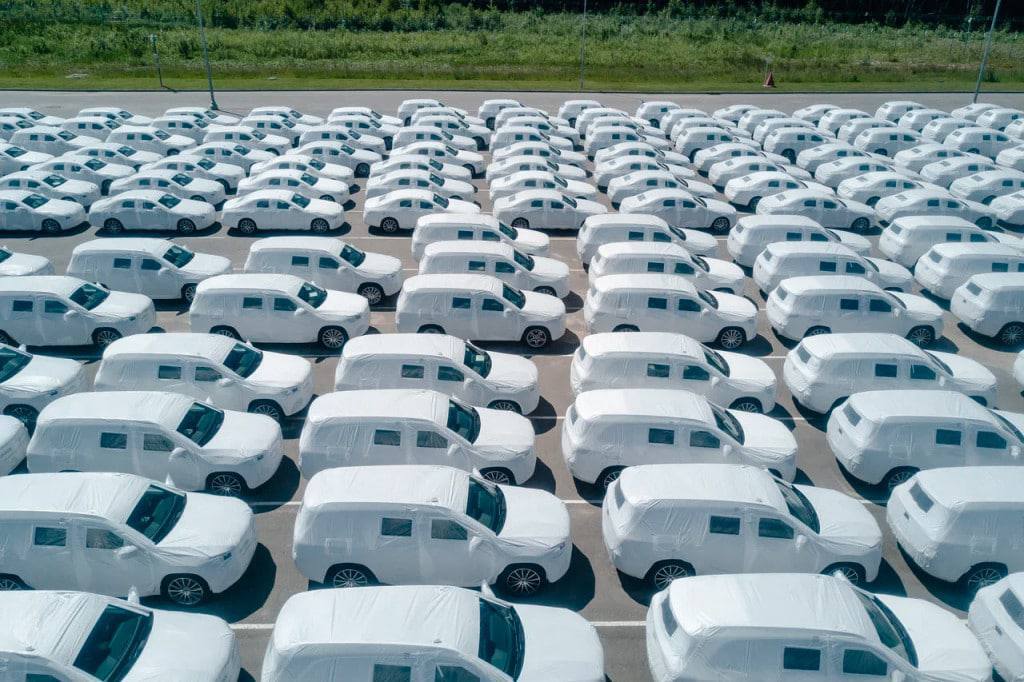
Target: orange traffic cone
[{"x": 769, "y": 81}]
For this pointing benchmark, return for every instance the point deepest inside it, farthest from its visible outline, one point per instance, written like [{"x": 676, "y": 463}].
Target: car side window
[
  {"x": 635, "y": 236},
  {"x": 114, "y": 441},
  {"x": 391, "y": 527},
  {"x": 826, "y": 266},
  {"x": 657, "y": 303},
  {"x": 656, "y": 370},
  {"x": 799, "y": 658},
  {"x": 877, "y": 305},
  {"x": 207, "y": 374},
  {"x": 661, "y": 436},
  {"x": 252, "y": 303},
  {"x": 923, "y": 372},
  {"x": 122, "y": 263},
  {"x": 885, "y": 370},
  {"x": 990, "y": 440},
  {"x": 724, "y": 525},
  {"x": 444, "y": 529},
  {"x": 849, "y": 304},
  {"x": 449, "y": 374},
  {"x": 855, "y": 268},
  {"x": 99, "y": 538},
  {"x": 948, "y": 437},
  {"x": 695, "y": 373},
  {"x": 503, "y": 267},
  {"x": 492, "y": 305},
  {"x": 412, "y": 371},
  {"x": 328, "y": 264},
  {"x": 284, "y": 304},
  {"x": 155, "y": 442},
  {"x": 704, "y": 439},
  {"x": 459, "y": 303},
  {"x": 477, "y": 266},
  {"x": 391, "y": 673},
  {"x": 688, "y": 305},
  {"x": 654, "y": 266},
  {"x": 300, "y": 261},
  {"x": 387, "y": 437},
  {"x": 430, "y": 439},
  {"x": 862, "y": 662},
  {"x": 49, "y": 537},
  {"x": 774, "y": 528},
  {"x": 21, "y": 306},
  {"x": 168, "y": 372},
  {"x": 451, "y": 673},
  {"x": 464, "y": 234},
  {"x": 683, "y": 269},
  {"x": 54, "y": 307}
]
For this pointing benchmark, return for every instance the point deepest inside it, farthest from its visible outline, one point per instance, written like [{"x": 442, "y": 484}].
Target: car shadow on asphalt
[
  {"x": 272, "y": 232},
  {"x": 758, "y": 346},
  {"x": 950, "y": 594},
  {"x": 573, "y": 591},
  {"x": 543, "y": 478},
  {"x": 987, "y": 341},
  {"x": 163, "y": 234},
  {"x": 281, "y": 487}
]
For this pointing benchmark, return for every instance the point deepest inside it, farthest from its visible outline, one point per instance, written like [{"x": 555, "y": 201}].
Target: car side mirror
[
  {"x": 474, "y": 543},
  {"x": 179, "y": 453},
  {"x": 1015, "y": 451},
  {"x": 715, "y": 381},
  {"x": 70, "y": 313},
  {"x": 800, "y": 542},
  {"x": 898, "y": 676},
  {"x": 942, "y": 380},
  {"x": 726, "y": 450},
  {"x": 126, "y": 551},
  {"x": 299, "y": 311},
  {"x": 224, "y": 382}
]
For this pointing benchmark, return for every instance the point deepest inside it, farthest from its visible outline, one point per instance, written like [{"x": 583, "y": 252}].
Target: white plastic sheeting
[
  {"x": 996, "y": 617},
  {"x": 13, "y": 443}
]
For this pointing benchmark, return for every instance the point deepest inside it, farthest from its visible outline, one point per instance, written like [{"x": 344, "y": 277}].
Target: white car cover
[{"x": 995, "y": 618}]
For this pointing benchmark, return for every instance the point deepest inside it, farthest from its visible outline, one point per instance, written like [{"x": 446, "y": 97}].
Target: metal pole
[
  {"x": 583, "y": 44},
  {"x": 206, "y": 55},
  {"x": 156, "y": 59},
  {"x": 988, "y": 48}
]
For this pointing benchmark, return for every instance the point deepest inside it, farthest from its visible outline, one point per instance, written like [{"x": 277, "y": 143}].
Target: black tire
[
  {"x": 872, "y": 201},
  {"x": 372, "y": 292},
  {"x": 186, "y": 226},
  {"x": 520, "y": 223},
  {"x": 104, "y": 336},
  {"x": 50, "y": 225},
  {"x": 226, "y": 185},
  {"x": 625, "y": 328},
  {"x": 268, "y": 408},
  {"x": 225, "y": 484},
  {"x": 790, "y": 155},
  {"x": 172, "y": 152},
  {"x": 981, "y": 576},
  {"x": 731, "y": 338},
  {"x": 522, "y": 580},
  {"x": 226, "y": 331},
  {"x": 661, "y": 574},
  {"x": 498, "y": 475},
  {"x": 362, "y": 170},
  {"x": 430, "y": 329},
  {"x": 469, "y": 167},
  {"x": 897, "y": 476},
  {"x": 480, "y": 144},
  {"x": 185, "y": 589},
  {"x": 113, "y": 225},
  {"x": 609, "y": 476},
  {"x": 1011, "y": 334},
  {"x": 188, "y": 293},
  {"x": 105, "y": 187},
  {"x": 26, "y": 414},
  {"x": 720, "y": 225},
  {"x": 506, "y": 405},
  {"x": 247, "y": 226},
  {"x": 881, "y": 152},
  {"x": 972, "y": 151},
  {"x": 327, "y": 197},
  {"x": 752, "y": 205},
  {"x": 546, "y": 290},
  {"x": 922, "y": 336},
  {"x": 319, "y": 225},
  {"x": 984, "y": 223},
  {"x": 853, "y": 572},
  {"x": 349, "y": 575},
  {"x": 332, "y": 338},
  {"x": 196, "y": 197},
  {"x": 860, "y": 224},
  {"x": 536, "y": 337},
  {"x": 988, "y": 200},
  {"x": 747, "y": 405},
  {"x": 490, "y": 122},
  {"x": 817, "y": 330},
  {"x": 389, "y": 225},
  {"x": 11, "y": 583}
]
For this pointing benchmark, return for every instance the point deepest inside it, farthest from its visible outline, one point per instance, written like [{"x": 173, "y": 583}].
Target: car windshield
[
  {"x": 942, "y": 365},
  {"x": 451, "y": 151},
  {"x": 94, "y": 164},
  {"x": 352, "y": 255},
  {"x": 513, "y": 296},
  {"x": 11, "y": 362},
  {"x": 124, "y": 150},
  {"x": 678, "y": 232},
  {"x": 317, "y": 164},
  {"x": 300, "y": 200},
  {"x": 560, "y": 181},
  {"x": 799, "y": 506},
  {"x": 436, "y": 179},
  {"x": 508, "y": 231},
  {"x": 258, "y": 135},
  {"x": 708, "y": 298},
  {"x": 89, "y": 296},
  {"x": 201, "y": 423},
  {"x": 312, "y": 294},
  {"x": 1005, "y": 422},
  {"x": 178, "y": 256},
  {"x": 348, "y": 150},
  {"x": 181, "y": 179},
  {"x": 239, "y": 149},
  {"x": 502, "y": 642},
  {"x": 4, "y": 255},
  {"x": 701, "y": 263},
  {"x": 440, "y": 201},
  {"x": 715, "y": 359},
  {"x": 15, "y": 152},
  {"x": 34, "y": 200},
  {"x": 728, "y": 424},
  {"x": 486, "y": 504},
  {"x": 161, "y": 134},
  {"x": 156, "y": 512},
  {"x": 464, "y": 421},
  {"x": 169, "y": 201},
  {"x": 570, "y": 201},
  {"x": 308, "y": 179},
  {"x": 243, "y": 360},
  {"x": 477, "y": 360},
  {"x": 115, "y": 643},
  {"x": 526, "y": 261},
  {"x": 65, "y": 135},
  {"x": 54, "y": 180},
  {"x": 890, "y": 630}
]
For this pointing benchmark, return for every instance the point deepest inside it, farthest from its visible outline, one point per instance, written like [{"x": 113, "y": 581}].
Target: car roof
[
  {"x": 475, "y": 219},
  {"x": 435, "y": 486},
  {"x": 650, "y": 484},
  {"x": 643, "y": 402},
  {"x": 118, "y": 406},
  {"x": 707, "y": 605},
  {"x": 186, "y": 344},
  {"x": 329, "y": 245},
  {"x": 778, "y": 220},
  {"x": 994, "y": 281},
  {"x": 625, "y": 220},
  {"x": 456, "y": 282},
  {"x": 245, "y": 281},
  {"x": 62, "y": 285},
  {"x": 469, "y": 246},
  {"x": 151, "y": 245},
  {"x": 646, "y": 281},
  {"x": 107, "y": 495},
  {"x": 980, "y": 249},
  {"x": 874, "y": 344},
  {"x": 404, "y": 345},
  {"x": 830, "y": 283},
  {"x": 391, "y": 403},
  {"x": 266, "y": 193},
  {"x": 782, "y": 249},
  {"x": 645, "y": 248},
  {"x": 659, "y": 343},
  {"x": 878, "y": 405},
  {"x": 935, "y": 222},
  {"x": 956, "y": 487}
]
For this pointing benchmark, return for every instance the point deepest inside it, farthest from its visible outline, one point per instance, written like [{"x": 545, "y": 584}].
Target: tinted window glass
[
  {"x": 50, "y": 537},
  {"x": 385, "y": 437},
  {"x": 774, "y": 528},
  {"x": 443, "y": 529},
  {"x": 396, "y": 528},
  {"x": 885, "y": 370},
  {"x": 724, "y": 525},
  {"x": 661, "y": 436},
  {"x": 860, "y": 662},
  {"x": 114, "y": 441},
  {"x": 947, "y": 437},
  {"x": 795, "y": 658}
]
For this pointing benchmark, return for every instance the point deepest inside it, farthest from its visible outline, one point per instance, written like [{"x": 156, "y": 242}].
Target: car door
[
  {"x": 849, "y": 313},
  {"x": 881, "y": 315},
  {"x": 773, "y": 543},
  {"x": 691, "y": 315},
  {"x": 448, "y": 556},
  {"x": 494, "y": 321},
  {"x": 109, "y": 564},
  {"x": 63, "y": 322},
  {"x": 723, "y": 549},
  {"x": 157, "y": 279},
  {"x": 290, "y": 319},
  {"x": 287, "y": 215},
  {"x": 252, "y": 320},
  {"x": 24, "y": 319}
]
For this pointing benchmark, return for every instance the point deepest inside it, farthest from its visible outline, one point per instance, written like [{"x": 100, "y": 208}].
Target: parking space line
[{"x": 258, "y": 627}]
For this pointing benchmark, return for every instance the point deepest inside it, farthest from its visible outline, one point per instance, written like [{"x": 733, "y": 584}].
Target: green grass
[{"x": 521, "y": 51}]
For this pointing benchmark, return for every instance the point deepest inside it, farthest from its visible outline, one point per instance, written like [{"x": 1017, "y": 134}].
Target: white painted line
[
  {"x": 262, "y": 627},
  {"x": 276, "y": 503},
  {"x": 582, "y": 501},
  {"x": 252, "y": 626}
]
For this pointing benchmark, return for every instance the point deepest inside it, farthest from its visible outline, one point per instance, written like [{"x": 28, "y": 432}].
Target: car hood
[
  {"x": 241, "y": 436},
  {"x": 534, "y": 517},
  {"x": 61, "y": 208},
  {"x": 844, "y": 519},
  {"x": 344, "y": 304},
  {"x": 281, "y": 370},
  {"x": 590, "y": 207},
  {"x": 735, "y": 307},
  {"x": 207, "y": 265},
  {"x": 559, "y": 645},
  {"x": 749, "y": 371},
  {"x": 512, "y": 371},
  {"x": 533, "y": 240},
  {"x": 503, "y": 433},
  {"x": 857, "y": 242},
  {"x": 766, "y": 435},
  {"x": 549, "y": 269},
  {"x": 210, "y": 643},
  {"x": 44, "y": 373},
  {"x": 968, "y": 373},
  {"x": 460, "y": 206},
  {"x": 893, "y": 274},
  {"x": 195, "y": 537},
  {"x": 380, "y": 264},
  {"x": 943, "y": 643},
  {"x": 919, "y": 306},
  {"x": 543, "y": 306},
  {"x": 1015, "y": 418},
  {"x": 122, "y": 304}
]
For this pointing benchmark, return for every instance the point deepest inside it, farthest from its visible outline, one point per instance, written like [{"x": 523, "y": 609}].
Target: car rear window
[
  {"x": 934, "y": 257},
  {"x": 1011, "y": 603},
  {"x": 973, "y": 289},
  {"x": 851, "y": 415},
  {"x": 802, "y": 353},
  {"x": 921, "y": 498}
]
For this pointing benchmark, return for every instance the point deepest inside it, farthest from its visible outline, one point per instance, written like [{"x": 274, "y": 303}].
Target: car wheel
[
  {"x": 26, "y": 414},
  {"x": 898, "y": 476},
  {"x": 319, "y": 225},
  {"x": 872, "y": 201},
  {"x": 11, "y": 583},
  {"x": 490, "y": 122},
  {"x": 105, "y": 187},
  {"x": 196, "y": 197},
  {"x": 546, "y": 290},
  {"x": 880, "y": 152},
  {"x": 362, "y": 170},
  {"x": 852, "y": 572},
  {"x": 790, "y": 155},
  {"x": 480, "y": 144},
  {"x": 731, "y": 338},
  {"x": 536, "y": 337},
  {"x": 185, "y": 590},
  {"x": 609, "y": 476},
  {"x": 188, "y": 293},
  {"x": 349, "y": 576},
  {"x": 860, "y": 225},
  {"x": 498, "y": 475},
  {"x": 186, "y": 226},
  {"x": 817, "y": 331},
  {"x": 507, "y": 405},
  {"x": 332, "y": 338},
  {"x": 469, "y": 167},
  {"x": 984, "y": 223},
  {"x": 1012, "y": 334},
  {"x": 520, "y": 223},
  {"x": 105, "y": 336},
  {"x": 373, "y": 293},
  {"x": 983, "y": 575},
  {"x": 51, "y": 225},
  {"x": 226, "y": 331},
  {"x": 327, "y": 197},
  {"x": 747, "y": 405},
  {"x": 625, "y": 328},
  {"x": 247, "y": 226},
  {"x": 922, "y": 336},
  {"x": 389, "y": 225},
  {"x": 662, "y": 574},
  {"x": 720, "y": 225},
  {"x": 430, "y": 329},
  {"x": 113, "y": 225},
  {"x": 522, "y": 581},
  {"x": 226, "y": 185},
  {"x": 226, "y": 484},
  {"x": 267, "y": 408},
  {"x": 752, "y": 204},
  {"x": 988, "y": 200},
  {"x": 973, "y": 151}
]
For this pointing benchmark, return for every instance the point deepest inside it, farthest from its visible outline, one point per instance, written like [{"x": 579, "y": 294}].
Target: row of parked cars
[{"x": 666, "y": 425}]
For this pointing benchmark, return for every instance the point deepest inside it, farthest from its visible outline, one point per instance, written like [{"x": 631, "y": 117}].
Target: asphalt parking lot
[{"x": 614, "y": 603}]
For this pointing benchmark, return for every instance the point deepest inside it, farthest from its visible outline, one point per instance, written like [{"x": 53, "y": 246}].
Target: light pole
[
  {"x": 988, "y": 48},
  {"x": 206, "y": 55},
  {"x": 583, "y": 43}
]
